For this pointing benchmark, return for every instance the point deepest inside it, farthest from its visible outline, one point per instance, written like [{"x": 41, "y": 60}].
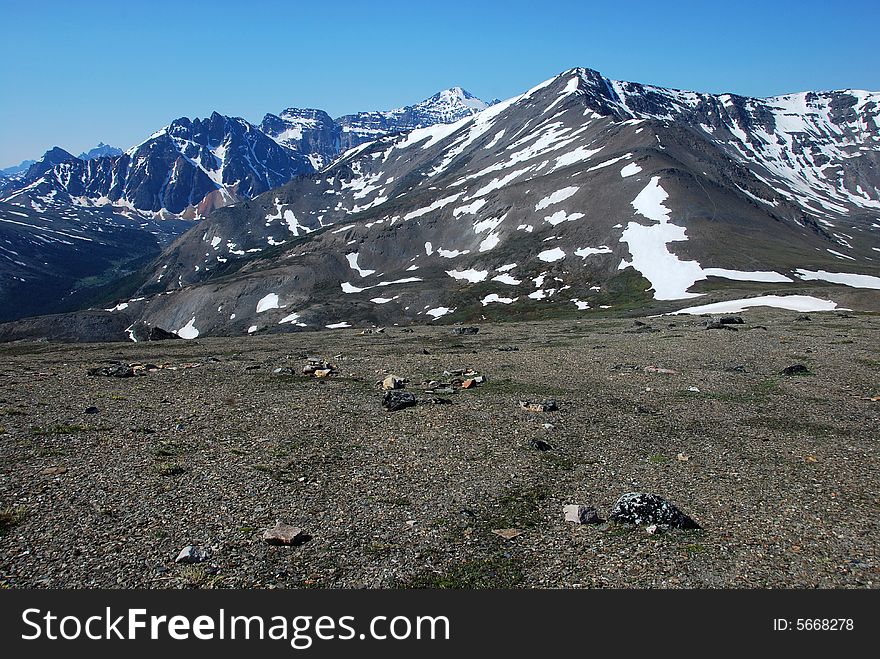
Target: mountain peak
[
  {"x": 56, "y": 155},
  {"x": 100, "y": 151}
]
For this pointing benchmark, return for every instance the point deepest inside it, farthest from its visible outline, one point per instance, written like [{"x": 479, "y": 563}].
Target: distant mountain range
[
  {"x": 584, "y": 195},
  {"x": 178, "y": 174},
  {"x": 192, "y": 166}
]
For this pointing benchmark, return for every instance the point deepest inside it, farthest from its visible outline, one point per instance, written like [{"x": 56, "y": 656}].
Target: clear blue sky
[{"x": 76, "y": 72}]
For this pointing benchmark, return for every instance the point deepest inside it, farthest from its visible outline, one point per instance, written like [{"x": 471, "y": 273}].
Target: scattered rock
[
  {"x": 117, "y": 370},
  {"x": 192, "y": 554},
  {"x": 694, "y": 390},
  {"x": 284, "y": 370},
  {"x": 285, "y": 534},
  {"x": 54, "y": 471},
  {"x": 507, "y": 349},
  {"x": 314, "y": 366},
  {"x": 716, "y": 323},
  {"x": 397, "y": 400},
  {"x": 653, "y": 529},
  {"x": 731, "y": 320},
  {"x": 739, "y": 368},
  {"x": 467, "y": 384},
  {"x": 540, "y": 445},
  {"x": 465, "y": 330},
  {"x": 91, "y": 410},
  {"x": 682, "y": 457},
  {"x": 646, "y": 509},
  {"x": 548, "y": 405},
  {"x": 796, "y": 369},
  {"x": 658, "y": 369},
  {"x": 803, "y": 318},
  {"x": 581, "y": 514}
]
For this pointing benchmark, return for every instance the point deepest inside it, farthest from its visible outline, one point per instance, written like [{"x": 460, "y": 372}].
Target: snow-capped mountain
[
  {"x": 445, "y": 107},
  {"x": 192, "y": 166},
  {"x": 313, "y": 132},
  {"x": 101, "y": 151},
  {"x": 17, "y": 169},
  {"x": 583, "y": 195},
  {"x": 173, "y": 171}
]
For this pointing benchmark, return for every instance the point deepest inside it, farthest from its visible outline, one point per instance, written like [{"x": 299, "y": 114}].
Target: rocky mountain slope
[
  {"x": 583, "y": 195},
  {"x": 56, "y": 257}
]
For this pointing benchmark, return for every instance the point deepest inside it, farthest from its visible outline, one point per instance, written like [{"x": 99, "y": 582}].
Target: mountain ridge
[{"x": 582, "y": 195}]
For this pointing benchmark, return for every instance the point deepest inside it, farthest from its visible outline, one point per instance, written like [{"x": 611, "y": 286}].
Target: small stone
[
  {"x": 694, "y": 390},
  {"x": 653, "y": 529},
  {"x": 192, "y": 554},
  {"x": 322, "y": 372},
  {"x": 796, "y": 369},
  {"x": 469, "y": 383},
  {"x": 465, "y": 330},
  {"x": 284, "y": 534},
  {"x": 508, "y": 534},
  {"x": 730, "y": 320},
  {"x": 682, "y": 457},
  {"x": 54, "y": 471},
  {"x": 540, "y": 445},
  {"x": 658, "y": 369},
  {"x": 579, "y": 514},
  {"x": 393, "y": 382},
  {"x": 548, "y": 405},
  {"x": 548, "y": 426},
  {"x": 397, "y": 400},
  {"x": 91, "y": 410}
]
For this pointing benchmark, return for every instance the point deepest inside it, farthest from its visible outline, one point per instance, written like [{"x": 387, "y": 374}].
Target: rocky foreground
[{"x": 173, "y": 462}]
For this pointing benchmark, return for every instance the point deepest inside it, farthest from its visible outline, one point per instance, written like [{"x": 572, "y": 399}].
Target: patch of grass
[
  {"x": 494, "y": 571},
  {"x": 60, "y": 429},
  {"x": 394, "y": 501},
  {"x": 198, "y": 576},
  {"x": 10, "y": 411},
  {"x": 10, "y": 517},
  {"x": 658, "y": 458},
  {"x": 237, "y": 451},
  {"x": 517, "y": 509},
  {"x": 695, "y": 548},
  {"x": 558, "y": 461},
  {"x": 797, "y": 426},
  {"x": 768, "y": 387},
  {"x": 168, "y": 449}
]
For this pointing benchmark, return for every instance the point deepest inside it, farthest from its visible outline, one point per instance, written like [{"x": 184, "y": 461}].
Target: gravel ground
[{"x": 781, "y": 472}]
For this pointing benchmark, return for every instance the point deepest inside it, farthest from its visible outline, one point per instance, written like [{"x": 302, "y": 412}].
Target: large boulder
[{"x": 650, "y": 509}]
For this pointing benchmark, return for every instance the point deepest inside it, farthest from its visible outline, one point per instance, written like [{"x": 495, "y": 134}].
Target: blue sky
[{"x": 74, "y": 73}]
